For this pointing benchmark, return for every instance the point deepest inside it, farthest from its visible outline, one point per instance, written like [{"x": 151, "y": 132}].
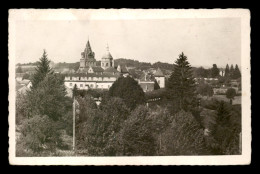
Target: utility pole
[{"x": 74, "y": 116}]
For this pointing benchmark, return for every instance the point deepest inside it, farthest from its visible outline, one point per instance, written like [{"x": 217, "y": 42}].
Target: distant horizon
[{"x": 196, "y": 66}]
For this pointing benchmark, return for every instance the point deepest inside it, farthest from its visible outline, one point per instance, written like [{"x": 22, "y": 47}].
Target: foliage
[
  {"x": 225, "y": 131},
  {"x": 201, "y": 72},
  {"x": 39, "y": 134},
  {"x": 183, "y": 137},
  {"x": 42, "y": 69},
  {"x": 19, "y": 69},
  {"x": 98, "y": 131},
  {"x": 230, "y": 94},
  {"x": 129, "y": 90},
  {"x": 214, "y": 71},
  {"x": 21, "y": 108},
  {"x": 227, "y": 71},
  {"x": 136, "y": 136},
  {"x": 205, "y": 90},
  {"x": 48, "y": 97},
  {"x": 156, "y": 85},
  {"x": 181, "y": 84},
  {"x": 236, "y": 73}
]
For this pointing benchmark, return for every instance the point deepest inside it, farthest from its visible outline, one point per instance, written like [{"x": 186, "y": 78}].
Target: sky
[{"x": 205, "y": 41}]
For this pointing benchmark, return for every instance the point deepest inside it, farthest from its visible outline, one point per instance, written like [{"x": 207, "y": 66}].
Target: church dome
[{"x": 107, "y": 55}]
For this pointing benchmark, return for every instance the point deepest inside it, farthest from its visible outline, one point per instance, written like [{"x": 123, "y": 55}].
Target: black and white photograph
[{"x": 129, "y": 87}]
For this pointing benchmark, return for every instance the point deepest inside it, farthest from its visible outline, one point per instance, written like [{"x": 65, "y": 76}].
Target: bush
[{"x": 40, "y": 134}]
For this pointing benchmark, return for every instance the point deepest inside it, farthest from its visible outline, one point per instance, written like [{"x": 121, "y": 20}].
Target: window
[
  {"x": 158, "y": 81},
  {"x": 108, "y": 86},
  {"x": 106, "y": 64},
  {"x": 91, "y": 85},
  {"x": 70, "y": 84},
  {"x": 97, "y": 86},
  {"x": 81, "y": 85}
]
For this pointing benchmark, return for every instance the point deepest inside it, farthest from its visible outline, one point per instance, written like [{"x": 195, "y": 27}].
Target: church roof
[
  {"x": 88, "y": 48},
  {"x": 91, "y": 75},
  {"x": 158, "y": 73},
  {"x": 110, "y": 69},
  {"x": 97, "y": 69}
]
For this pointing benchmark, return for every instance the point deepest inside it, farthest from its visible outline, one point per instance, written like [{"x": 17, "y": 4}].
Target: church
[{"x": 91, "y": 76}]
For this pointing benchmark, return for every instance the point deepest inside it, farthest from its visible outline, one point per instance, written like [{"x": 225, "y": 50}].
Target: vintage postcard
[{"x": 129, "y": 87}]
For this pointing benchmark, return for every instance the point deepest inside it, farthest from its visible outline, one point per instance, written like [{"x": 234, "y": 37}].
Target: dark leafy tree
[
  {"x": 230, "y": 94},
  {"x": 214, "y": 71},
  {"x": 40, "y": 135},
  {"x": 181, "y": 84},
  {"x": 42, "y": 69},
  {"x": 136, "y": 136},
  {"x": 184, "y": 136},
  {"x": 205, "y": 90},
  {"x": 129, "y": 90}
]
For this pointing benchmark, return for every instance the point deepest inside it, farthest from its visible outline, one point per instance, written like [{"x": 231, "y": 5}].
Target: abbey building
[{"x": 93, "y": 76}]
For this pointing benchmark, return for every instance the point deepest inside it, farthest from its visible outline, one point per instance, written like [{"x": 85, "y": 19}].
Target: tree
[
  {"x": 225, "y": 131},
  {"x": 227, "y": 71},
  {"x": 231, "y": 71},
  {"x": 236, "y": 73},
  {"x": 42, "y": 69},
  {"x": 136, "y": 137},
  {"x": 75, "y": 91},
  {"x": 156, "y": 85},
  {"x": 48, "y": 97},
  {"x": 230, "y": 94},
  {"x": 205, "y": 90},
  {"x": 184, "y": 136},
  {"x": 181, "y": 84},
  {"x": 129, "y": 90},
  {"x": 40, "y": 134},
  {"x": 214, "y": 71},
  {"x": 98, "y": 132},
  {"x": 19, "y": 69}
]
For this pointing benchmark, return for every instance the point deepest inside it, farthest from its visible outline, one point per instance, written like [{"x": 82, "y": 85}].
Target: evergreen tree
[
  {"x": 231, "y": 71},
  {"x": 181, "y": 84},
  {"x": 227, "y": 71},
  {"x": 42, "y": 69},
  {"x": 48, "y": 98},
  {"x": 214, "y": 71},
  {"x": 236, "y": 73}
]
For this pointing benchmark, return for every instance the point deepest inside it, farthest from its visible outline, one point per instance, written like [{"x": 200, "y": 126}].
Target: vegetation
[
  {"x": 129, "y": 90},
  {"x": 123, "y": 124},
  {"x": 231, "y": 93},
  {"x": 181, "y": 84}
]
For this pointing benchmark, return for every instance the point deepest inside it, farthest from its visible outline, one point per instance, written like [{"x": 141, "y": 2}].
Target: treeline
[{"x": 214, "y": 72}]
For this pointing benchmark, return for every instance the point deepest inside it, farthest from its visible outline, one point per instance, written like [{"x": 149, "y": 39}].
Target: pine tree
[
  {"x": 75, "y": 91},
  {"x": 231, "y": 71},
  {"x": 236, "y": 73},
  {"x": 181, "y": 85},
  {"x": 227, "y": 71},
  {"x": 42, "y": 69},
  {"x": 156, "y": 85}
]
